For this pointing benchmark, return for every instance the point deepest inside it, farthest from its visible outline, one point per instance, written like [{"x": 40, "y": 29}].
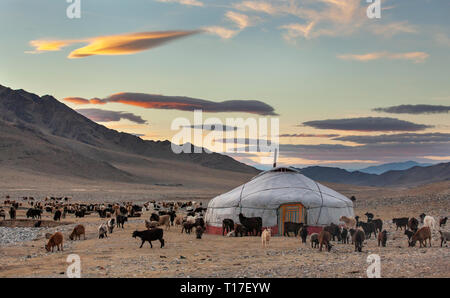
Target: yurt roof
[{"x": 281, "y": 185}]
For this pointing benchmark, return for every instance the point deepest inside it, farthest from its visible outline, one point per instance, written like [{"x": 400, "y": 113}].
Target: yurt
[{"x": 279, "y": 195}]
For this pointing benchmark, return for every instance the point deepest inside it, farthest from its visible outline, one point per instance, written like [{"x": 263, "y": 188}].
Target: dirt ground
[{"x": 119, "y": 255}]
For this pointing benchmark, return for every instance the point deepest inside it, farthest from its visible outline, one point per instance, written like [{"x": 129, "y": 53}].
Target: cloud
[
  {"x": 184, "y": 2},
  {"x": 99, "y": 115},
  {"x": 121, "y": 44},
  {"x": 297, "y": 30},
  {"x": 416, "y": 57},
  {"x": 389, "y": 30},
  {"x": 241, "y": 20},
  {"x": 223, "y": 32},
  {"x": 367, "y": 124},
  {"x": 398, "y": 138},
  {"x": 415, "y": 109},
  {"x": 302, "y": 135},
  {"x": 182, "y": 103}
]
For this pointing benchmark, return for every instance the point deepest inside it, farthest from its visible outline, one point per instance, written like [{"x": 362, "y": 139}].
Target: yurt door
[{"x": 290, "y": 213}]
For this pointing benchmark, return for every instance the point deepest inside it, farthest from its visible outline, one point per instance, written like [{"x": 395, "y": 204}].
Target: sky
[{"x": 348, "y": 91}]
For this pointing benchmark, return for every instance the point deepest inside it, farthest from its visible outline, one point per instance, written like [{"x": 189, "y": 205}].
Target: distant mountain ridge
[
  {"x": 43, "y": 134},
  {"x": 413, "y": 176},
  {"x": 394, "y": 166}
]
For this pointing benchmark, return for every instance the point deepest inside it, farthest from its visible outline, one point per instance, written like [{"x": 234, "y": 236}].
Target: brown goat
[
  {"x": 421, "y": 235},
  {"x": 77, "y": 232},
  {"x": 324, "y": 239},
  {"x": 55, "y": 240}
]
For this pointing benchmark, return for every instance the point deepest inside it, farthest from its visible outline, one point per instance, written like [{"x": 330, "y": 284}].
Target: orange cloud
[
  {"x": 83, "y": 101},
  {"x": 121, "y": 44},
  {"x": 416, "y": 57}
]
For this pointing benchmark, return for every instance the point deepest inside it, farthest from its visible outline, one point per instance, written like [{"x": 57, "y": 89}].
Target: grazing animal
[
  {"x": 291, "y": 227},
  {"x": 421, "y": 235},
  {"x": 314, "y": 240},
  {"x": 110, "y": 224},
  {"x": 422, "y": 216},
  {"x": 324, "y": 239},
  {"x": 102, "y": 231},
  {"x": 55, "y": 240},
  {"x": 303, "y": 234},
  {"x": 413, "y": 224},
  {"x": 358, "y": 239},
  {"x": 164, "y": 220},
  {"x": 350, "y": 222},
  {"x": 334, "y": 231},
  {"x": 240, "y": 230},
  {"x": 430, "y": 222},
  {"x": 77, "y": 232},
  {"x": 187, "y": 227},
  {"x": 199, "y": 232},
  {"x": 444, "y": 237},
  {"x": 34, "y": 213},
  {"x": 252, "y": 224},
  {"x": 80, "y": 213},
  {"x": 400, "y": 222},
  {"x": 151, "y": 224},
  {"x": 409, "y": 234},
  {"x": 150, "y": 235},
  {"x": 38, "y": 224},
  {"x": 3, "y": 214},
  {"x": 369, "y": 216},
  {"x": 382, "y": 238},
  {"x": 443, "y": 221},
  {"x": 227, "y": 226},
  {"x": 57, "y": 215},
  {"x": 120, "y": 220},
  {"x": 200, "y": 222},
  {"x": 265, "y": 237},
  {"x": 12, "y": 213},
  {"x": 369, "y": 228},
  {"x": 378, "y": 224},
  {"x": 154, "y": 217},
  {"x": 344, "y": 235}
]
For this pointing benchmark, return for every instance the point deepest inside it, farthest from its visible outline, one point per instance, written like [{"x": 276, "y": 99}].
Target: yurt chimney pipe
[{"x": 275, "y": 159}]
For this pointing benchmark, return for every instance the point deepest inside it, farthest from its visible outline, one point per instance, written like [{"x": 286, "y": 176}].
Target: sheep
[
  {"x": 421, "y": 235},
  {"x": 303, "y": 234},
  {"x": 382, "y": 238},
  {"x": 358, "y": 238},
  {"x": 430, "y": 222},
  {"x": 102, "y": 231},
  {"x": 55, "y": 240},
  {"x": 227, "y": 225},
  {"x": 443, "y": 221},
  {"x": 164, "y": 220},
  {"x": 199, "y": 232},
  {"x": 444, "y": 237},
  {"x": 350, "y": 222},
  {"x": 400, "y": 222},
  {"x": 77, "y": 232},
  {"x": 151, "y": 224},
  {"x": 265, "y": 237},
  {"x": 314, "y": 240},
  {"x": 178, "y": 220},
  {"x": 110, "y": 224},
  {"x": 324, "y": 239},
  {"x": 150, "y": 235}
]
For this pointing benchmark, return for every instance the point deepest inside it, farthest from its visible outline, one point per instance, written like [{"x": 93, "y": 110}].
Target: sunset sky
[{"x": 349, "y": 91}]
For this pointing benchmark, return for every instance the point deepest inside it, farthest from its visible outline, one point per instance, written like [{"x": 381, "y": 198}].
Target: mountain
[
  {"x": 395, "y": 166},
  {"x": 40, "y": 135},
  {"x": 414, "y": 176}
]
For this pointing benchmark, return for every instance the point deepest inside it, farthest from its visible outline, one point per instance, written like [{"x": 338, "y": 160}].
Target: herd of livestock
[{"x": 190, "y": 216}]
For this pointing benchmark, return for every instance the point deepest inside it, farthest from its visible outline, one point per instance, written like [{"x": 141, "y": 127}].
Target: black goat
[
  {"x": 57, "y": 215},
  {"x": 369, "y": 216},
  {"x": 334, "y": 231},
  {"x": 150, "y": 235},
  {"x": 120, "y": 220},
  {"x": 400, "y": 222},
  {"x": 358, "y": 239},
  {"x": 227, "y": 226},
  {"x": 252, "y": 224},
  {"x": 291, "y": 227},
  {"x": 304, "y": 233},
  {"x": 368, "y": 227}
]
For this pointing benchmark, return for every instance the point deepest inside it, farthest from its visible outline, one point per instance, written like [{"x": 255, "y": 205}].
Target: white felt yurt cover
[{"x": 265, "y": 193}]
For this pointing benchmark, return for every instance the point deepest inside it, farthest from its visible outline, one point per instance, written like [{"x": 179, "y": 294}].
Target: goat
[
  {"x": 227, "y": 226},
  {"x": 187, "y": 227},
  {"x": 57, "y": 216},
  {"x": 110, "y": 224},
  {"x": 410, "y": 234},
  {"x": 164, "y": 220},
  {"x": 350, "y": 222},
  {"x": 265, "y": 237},
  {"x": 252, "y": 224},
  {"x": 444, "y": 237},
  {"x": 291, "y": 227},
  {"x": 77, "y": 232},
  {"x": 344, "y": 235},
  {"x": 55, "y": 240},
  {"x": 421, "y": 235},
  {"x": 369, "y": 216},
  {"x": 199, "y": 232},
  {"x": 303, "y": 234},
  {"x": 324, "y": 239},
  {"x": 443, "y": 221},
  {"x": 430, "y": 222},
  {"x": 150, "y": 235},
  {"x": 369, "y": 228},
  {"x": 120, "y": 220},
  {"x": 240, "y": 230},
  {"x": 314, "y": 240},
  {"x": 413, "y": 224},
  {"x": 334, "y": 231},
  {"x": 358, "y": 238},
  {"x": 102, "y": 231},
  {"x": 400, "y": 222},
  {"x": 382, "y": 238},
  {"x": 151, "y": 224}
]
